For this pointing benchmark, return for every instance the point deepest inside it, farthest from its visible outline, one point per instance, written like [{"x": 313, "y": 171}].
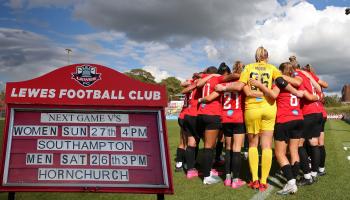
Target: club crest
[{"x": 86, "y": 75}]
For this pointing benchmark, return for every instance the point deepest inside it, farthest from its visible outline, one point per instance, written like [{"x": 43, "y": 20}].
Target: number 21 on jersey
[{"x": 228, "y": 99}]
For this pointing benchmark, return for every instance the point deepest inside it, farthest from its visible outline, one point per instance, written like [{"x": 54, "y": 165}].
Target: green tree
[
  {"x": 2, "y": 95},
  {"x": 173, "y": 86},
  {"x": 141, "y": 75},
  {"x": 332, "y": 101}
]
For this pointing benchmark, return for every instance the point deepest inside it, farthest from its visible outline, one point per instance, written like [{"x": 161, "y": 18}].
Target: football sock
[
  {"x": 207, "y": 161},
  {"x": 253, "y": 157},
  {"x": 218, "y": 150},
  {"x": 322, "y": 156},
  {"x": 228, "y": 162},
  {"x": 287, "y": 172},
  {"x": 304, "y": 161},
  {"x": 296, "y": 168},
  {"x": 315, "y": 158},
  {"x": 180, "y": 155},
  {"x": 266, "y": 161},
  {"x": 236, "y": 163},
  {"x": 190, "y": 157}
]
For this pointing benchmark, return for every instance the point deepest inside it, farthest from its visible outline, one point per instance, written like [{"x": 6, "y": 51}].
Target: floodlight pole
[{"x": 68, "y": 55}]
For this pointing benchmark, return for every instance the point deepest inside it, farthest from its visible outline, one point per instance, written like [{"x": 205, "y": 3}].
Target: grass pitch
[{"x": 335, "y": 185}]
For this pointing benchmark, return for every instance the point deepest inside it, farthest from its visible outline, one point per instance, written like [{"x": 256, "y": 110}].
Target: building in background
[{"x": 346, "y": 94}]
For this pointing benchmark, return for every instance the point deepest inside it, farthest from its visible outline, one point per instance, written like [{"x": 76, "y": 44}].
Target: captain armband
[{"x": 281, "y": 83}]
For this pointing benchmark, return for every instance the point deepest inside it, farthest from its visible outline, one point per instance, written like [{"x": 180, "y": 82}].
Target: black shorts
[
  {"x": 323, "y": 123},
  {"x": 190, "y": 125},
  {"x": 233, "y": 128},
  {"x": 312, "y": 125},
  {"x": 288, "y": 130},
  {"x": 208, "y": 122},
  {"x": 180, "y": 122}
]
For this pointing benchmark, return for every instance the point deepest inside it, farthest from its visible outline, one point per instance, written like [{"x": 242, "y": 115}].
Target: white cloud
[
  {"x": 211, "y": 51},
  {"x": 179, "y": 37},
  {"x": 157, "y": 73}
]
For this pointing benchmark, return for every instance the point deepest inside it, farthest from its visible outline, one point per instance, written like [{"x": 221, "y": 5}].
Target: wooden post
[
  {"x": 160, "y": 196},
  {"x": 11, "y": 196}
]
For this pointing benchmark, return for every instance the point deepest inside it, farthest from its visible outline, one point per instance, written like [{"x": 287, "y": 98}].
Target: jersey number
[
  {"x": 293, "y": 100},
  {"x": 228, "y": 96},
  {"x": 206, "y": 90},
  {"x": 264, "y": 79}
]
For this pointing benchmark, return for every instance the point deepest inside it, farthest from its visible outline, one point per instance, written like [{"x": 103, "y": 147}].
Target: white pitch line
[{"x": 267, "y": 192}]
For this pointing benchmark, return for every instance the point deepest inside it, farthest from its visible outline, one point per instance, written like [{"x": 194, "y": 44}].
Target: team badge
[
  {"x": 230, "y": 112},
  {"x": 86, "y": 75}
]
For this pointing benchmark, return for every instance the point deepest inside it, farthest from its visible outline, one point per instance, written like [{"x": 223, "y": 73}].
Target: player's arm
[
  {"x": 189, "y": 88},
  {"x": 323, "y": 83},
  {"x": 294, "y": 81},
  {"x": 310, "y": 97},
  {"x": 201, "y": 82},
  {"x": 236, "y": 86},
  {"x": 313, "y": 81},
  {"x": 252, "y": 93},
  {"x": 267, "y": 91},
  {"x": 281, "y": 83},
  {"x": 209, "y": 98},
  {"x": 185, "y": 83},
  {"x": 230, "y": 77}
]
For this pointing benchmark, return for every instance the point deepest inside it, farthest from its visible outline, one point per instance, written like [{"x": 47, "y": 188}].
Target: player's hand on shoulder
[
  {"x": 254, "y": 82},
  {"x": 220, "y": 88},
  {"x": 300, "y": 93}
]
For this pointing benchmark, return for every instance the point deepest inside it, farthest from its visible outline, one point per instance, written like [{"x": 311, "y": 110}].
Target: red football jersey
[
  {"x": 185, "y": 106},
  {"x": 308, "y": 107},
  {"x": 232, "y": 106},
  {"x": 213, "y": 107},
  {"x": 288, "y": 107}
]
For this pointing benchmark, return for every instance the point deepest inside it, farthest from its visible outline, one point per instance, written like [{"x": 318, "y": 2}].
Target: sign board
[{"x": 85, "y": 127}]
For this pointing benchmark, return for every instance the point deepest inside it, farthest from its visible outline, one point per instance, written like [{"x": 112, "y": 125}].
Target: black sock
[
  {"x": 180, "y": 155},
  {"x": 322, "y": 156},
  {"x": 304, "y": 161},
  {"x": 295, "y": 169},
  {"x": 190, "y": 157},
  {"x": 315, "y": 158},
  {"x": 218, "y": 150},
  {"x": 307, "y": 148},
  {"x": 287, "y": 172},
  {"x": 236, "y": 163},
  {"x": 207, "y": 161},
  {"x": 228, "y": 162}
]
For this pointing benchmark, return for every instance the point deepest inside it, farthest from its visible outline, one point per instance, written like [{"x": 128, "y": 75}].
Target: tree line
[{"x": 172, "y": 83}]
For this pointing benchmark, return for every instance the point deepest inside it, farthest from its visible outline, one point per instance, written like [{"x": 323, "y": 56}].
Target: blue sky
[{"x": 170, "y": 38}]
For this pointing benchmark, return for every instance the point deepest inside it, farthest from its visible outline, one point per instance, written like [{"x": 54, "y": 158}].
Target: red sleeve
[
  {"x": 314, "y": 76},
  {"x": 220, "y": 79},
  {"x": 301, "y": 87},
  {"x": 204, "y": 75}
]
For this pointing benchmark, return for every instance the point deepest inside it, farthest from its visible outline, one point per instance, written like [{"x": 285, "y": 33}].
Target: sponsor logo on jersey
[{"x": 295, "y": 112}]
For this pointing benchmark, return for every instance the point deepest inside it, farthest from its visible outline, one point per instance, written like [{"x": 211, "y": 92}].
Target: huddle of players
[{"x": 265, "y": 103}]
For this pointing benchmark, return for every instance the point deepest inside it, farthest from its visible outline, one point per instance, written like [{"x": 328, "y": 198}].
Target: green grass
[
  {"x": 339, "y": 109},
  {"x": 335, "y": 185}
]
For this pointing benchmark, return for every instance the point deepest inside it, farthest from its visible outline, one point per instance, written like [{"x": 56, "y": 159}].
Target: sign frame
[{"x": 156, "y": 108}]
